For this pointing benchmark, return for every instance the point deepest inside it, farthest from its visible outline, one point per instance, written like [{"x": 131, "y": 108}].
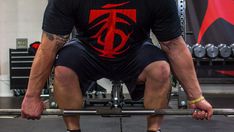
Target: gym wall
[{"x": 18, "y": 19}]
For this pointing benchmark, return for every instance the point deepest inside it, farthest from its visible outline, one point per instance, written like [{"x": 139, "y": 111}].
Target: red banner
[{"x": 211, "y": 21}]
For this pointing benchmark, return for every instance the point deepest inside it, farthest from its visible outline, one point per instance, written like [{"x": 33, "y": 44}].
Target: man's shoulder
[
  {"x": 62, "y": 3},
  {"x": 155, "y": 4}
]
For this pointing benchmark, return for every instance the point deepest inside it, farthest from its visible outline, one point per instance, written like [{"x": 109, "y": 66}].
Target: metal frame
[
  {"x": 181, "y": 6},
  {"x": 117, "y": 98}
]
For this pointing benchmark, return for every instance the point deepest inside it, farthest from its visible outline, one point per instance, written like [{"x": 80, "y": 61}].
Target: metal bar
[
  {"x": 4, "y": 112},
  {"x": 118, "y": 112}
]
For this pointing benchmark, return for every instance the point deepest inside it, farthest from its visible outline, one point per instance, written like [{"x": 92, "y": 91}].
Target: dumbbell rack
[
  {"x": 208, "y": 70},
  {"x": 212, "y": 65}
]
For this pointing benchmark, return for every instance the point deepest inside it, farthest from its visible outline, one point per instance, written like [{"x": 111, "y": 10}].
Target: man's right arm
[
  {"x": 43, "y": 62},
  {"x": 32, "y": 106}
]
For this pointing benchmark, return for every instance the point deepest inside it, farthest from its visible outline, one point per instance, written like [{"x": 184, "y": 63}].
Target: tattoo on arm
[{"x": 60, "y": 39}]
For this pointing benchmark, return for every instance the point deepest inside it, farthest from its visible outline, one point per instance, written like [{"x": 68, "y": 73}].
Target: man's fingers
[
  {"x": 207, "y": 118},
  {"x": 30, "y": 116},
  {"x": 203, "y": 115},
  {"x": 33, "y": 117},
  {"x": 200, "y": 115},
  {"x": 210, "y": 113}
]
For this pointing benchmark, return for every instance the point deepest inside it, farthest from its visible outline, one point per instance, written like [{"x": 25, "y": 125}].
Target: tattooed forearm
[
  {"x": 49, "y": 36},
  {"x": 60, "y": 40}
]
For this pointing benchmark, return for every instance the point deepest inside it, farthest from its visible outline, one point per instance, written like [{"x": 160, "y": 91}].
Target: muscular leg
[
  {"x": 157, "y": 88},
  {"x": 68, "y": 94}
]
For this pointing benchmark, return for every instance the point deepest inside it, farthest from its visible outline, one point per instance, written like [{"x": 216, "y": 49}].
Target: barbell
[{"x": 116, "y": 111}]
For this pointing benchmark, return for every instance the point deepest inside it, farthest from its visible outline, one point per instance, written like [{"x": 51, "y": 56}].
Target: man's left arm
[{"x": 183, "y": 68}]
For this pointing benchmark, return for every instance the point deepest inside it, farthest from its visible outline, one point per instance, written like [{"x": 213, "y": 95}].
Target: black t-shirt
[{"x": 113, "y": 28}]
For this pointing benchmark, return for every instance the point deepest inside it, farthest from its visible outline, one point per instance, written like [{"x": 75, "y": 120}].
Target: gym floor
[{"x": 129, "y": 124}]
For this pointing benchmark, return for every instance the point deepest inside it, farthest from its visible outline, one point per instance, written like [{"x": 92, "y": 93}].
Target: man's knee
[
  {"x": 64, "y": 74},
  {"x": 159, "y": 71}
]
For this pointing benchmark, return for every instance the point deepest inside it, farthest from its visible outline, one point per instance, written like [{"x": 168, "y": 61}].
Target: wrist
[
  {"x": 194, "y": 95},
  {"x": 32, "y": 94},
  {"x": 197, "y": 100}
]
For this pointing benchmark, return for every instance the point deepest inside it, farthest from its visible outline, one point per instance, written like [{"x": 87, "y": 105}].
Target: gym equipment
[
  {"x": 182, "y": 97},
  {"x": 211, "y": 51},
  {"x": 20, "y": 65},
  {"x": 96, "y": 90},
  {"x": 117, "y": 94},
  {"x": 232, "y": 47},
  {"x": 181, "y": 7},
  {"x": 224, "y": 50},
  {"x": 115, "y": 100},
  {"x": 199, "y": 51},
  {"x": 117, "y": 111}
]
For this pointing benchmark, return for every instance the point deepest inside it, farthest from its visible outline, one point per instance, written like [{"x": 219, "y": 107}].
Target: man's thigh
[
  {"x": 87, "y": 67},
  {"x": 146, "y": 55}
]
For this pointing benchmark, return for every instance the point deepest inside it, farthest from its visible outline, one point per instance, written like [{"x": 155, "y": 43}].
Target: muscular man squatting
[{"x": 113, "y": 42}]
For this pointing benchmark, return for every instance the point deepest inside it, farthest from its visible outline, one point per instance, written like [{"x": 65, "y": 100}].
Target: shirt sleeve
[
  {"x": 166, "y": 23},
  {"x": 58, "y": 17}
]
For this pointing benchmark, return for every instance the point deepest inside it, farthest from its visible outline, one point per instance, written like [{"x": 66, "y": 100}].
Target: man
[{"x": 113, "y": 42}]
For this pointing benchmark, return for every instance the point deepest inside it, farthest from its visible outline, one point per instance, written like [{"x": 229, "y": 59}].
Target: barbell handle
[
  {"x": 117, "y": 112},
  {"x": 18, "y": 112}
]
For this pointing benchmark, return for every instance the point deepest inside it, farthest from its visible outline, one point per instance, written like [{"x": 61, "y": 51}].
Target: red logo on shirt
[{"x": 110, "y": 38}]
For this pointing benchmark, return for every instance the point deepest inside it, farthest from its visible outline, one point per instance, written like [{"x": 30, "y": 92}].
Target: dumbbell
[
  {"x": 232, "y": 47},
  {"x": 198, "y": 51},
  {"x": 211, "y": 51},
  {"x": 224, "y": 50},
  {"x": 190, "y": 48}
]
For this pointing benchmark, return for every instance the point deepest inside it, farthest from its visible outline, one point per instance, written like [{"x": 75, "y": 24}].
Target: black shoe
[
  {"x": 159, "y": 130},
  {"x": 73, "y": 131}
]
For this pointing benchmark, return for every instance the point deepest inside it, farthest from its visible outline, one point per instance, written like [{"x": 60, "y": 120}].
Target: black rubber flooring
[{"x": 133, "y": 124}]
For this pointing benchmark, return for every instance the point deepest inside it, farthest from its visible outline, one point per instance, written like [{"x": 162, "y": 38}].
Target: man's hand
[
  {"x": 32, "y": 108},
  {"x": 203, "y": 110}
]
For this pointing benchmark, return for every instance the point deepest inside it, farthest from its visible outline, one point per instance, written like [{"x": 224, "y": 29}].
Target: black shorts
[{"x": 90, "y": 67}]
